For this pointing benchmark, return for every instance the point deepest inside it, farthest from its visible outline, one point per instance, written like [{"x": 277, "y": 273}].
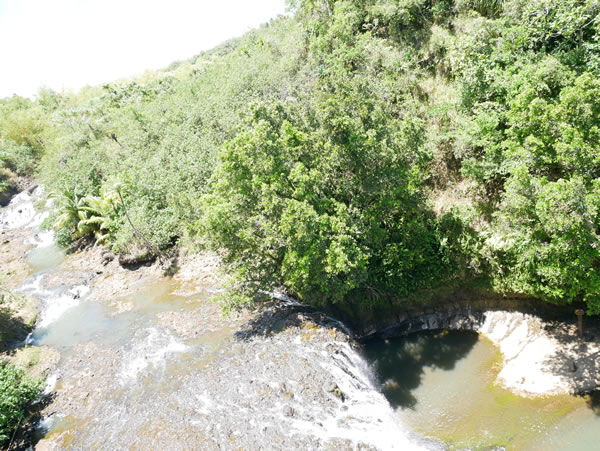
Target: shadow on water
[
  {"x": 399, "y": 363},
  {"x": 592, "y": 400},
  {"x": 28, "y": 434}
]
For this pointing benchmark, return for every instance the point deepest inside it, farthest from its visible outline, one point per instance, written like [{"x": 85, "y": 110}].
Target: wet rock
[
  {"x": 80, "y": 244},
  {"x": 6, "y": 196},
  {"x": 107, "y": 257},
  {"x": 331, "y": 387},
  {"x": 13, "y": 258},
  {"x": 137, "y": 259},
  {"x": 337, "y": 392},
  {"x": 224, "y": 381}
]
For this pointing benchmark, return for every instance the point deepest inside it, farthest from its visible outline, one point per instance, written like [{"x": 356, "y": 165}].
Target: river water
[
  {"x": 154, "y": 365},
  {"x": 157, "y": 367},
  {"x": 441, "y": 384}
]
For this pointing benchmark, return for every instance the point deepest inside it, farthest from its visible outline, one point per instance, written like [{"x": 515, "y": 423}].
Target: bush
[
  {"x": 327, "y": 203},
  {"x": 17, "y": 391},
  {"x": 367, "y": 114},
  {"x": 528, "y": 135},
  {"x": 550, "y": 245},
  {"x": 18, "y": 158},
  {"x": 7, "y": 184},
  {"x": 160, "y": 137},
  {"x": 24, "y": 130}
]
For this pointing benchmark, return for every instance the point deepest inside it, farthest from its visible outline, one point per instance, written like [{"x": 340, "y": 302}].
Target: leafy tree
[
  {"x": 358, "y": 150},
  {"x": 327, "y": 203}
]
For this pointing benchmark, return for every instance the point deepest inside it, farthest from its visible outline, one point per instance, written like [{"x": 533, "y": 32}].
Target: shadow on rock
[
  {"x": 12, "y": 329},
  {"x": 275, "y": 317},
  {"x": 564, "y": 329},
  {"x": 576, "y": 360},
  {"x": 400, "y": 363},
  {"x": 29, "y": 432},
  {"x": 578, "y": 365}
]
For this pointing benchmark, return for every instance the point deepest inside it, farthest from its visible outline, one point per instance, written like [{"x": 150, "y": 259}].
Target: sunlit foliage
[{"x": 356, "y": 151}]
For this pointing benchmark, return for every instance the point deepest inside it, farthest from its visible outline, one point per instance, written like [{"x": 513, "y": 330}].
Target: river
[{"x": 148, "y": 361}]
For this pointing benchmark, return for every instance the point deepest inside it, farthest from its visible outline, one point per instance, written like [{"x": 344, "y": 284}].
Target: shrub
[
  {"x": 550, "y": 245},
  {"x": 326, "y": 203},
  {"x": 19, "y": 158},
  {"x": 7, "y": 184},
  {"x": 88, "y": 215},
  {"x": 17, "y": 391}
]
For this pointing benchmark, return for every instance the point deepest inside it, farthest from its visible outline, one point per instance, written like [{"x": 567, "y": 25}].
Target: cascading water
[
  {"x": 161, "y": 368},
  {"x": 21, "y": 212},
  {"x": 126, "y": 379}
]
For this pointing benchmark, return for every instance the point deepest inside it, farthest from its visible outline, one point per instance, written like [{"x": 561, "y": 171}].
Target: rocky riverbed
[
  {"x": 138, "y": 359},
  {"x": 149, "y": 361}
]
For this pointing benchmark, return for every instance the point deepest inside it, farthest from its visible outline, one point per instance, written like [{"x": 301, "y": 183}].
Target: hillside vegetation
[{"x": 355, "y": 151}]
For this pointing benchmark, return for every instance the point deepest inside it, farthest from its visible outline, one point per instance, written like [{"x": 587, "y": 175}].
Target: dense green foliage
[
  {"x": 329, "y": 207},
  {"x": 356, "y": 151},
  {"x": 17, "y": 391},
  {"x": 158, "y": 138},
  {"x": 23, "y": 130},
  {"x": 532, "y": 145}
]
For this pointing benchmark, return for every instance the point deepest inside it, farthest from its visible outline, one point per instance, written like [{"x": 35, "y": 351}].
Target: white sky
[{"x": 66, "y": 44}]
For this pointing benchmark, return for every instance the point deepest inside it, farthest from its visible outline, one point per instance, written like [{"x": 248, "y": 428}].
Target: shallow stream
[{"x": 158, "y": 367}]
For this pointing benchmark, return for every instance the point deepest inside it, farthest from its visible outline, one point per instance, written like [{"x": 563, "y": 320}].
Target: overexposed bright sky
[{"x": 67, "y": 44}]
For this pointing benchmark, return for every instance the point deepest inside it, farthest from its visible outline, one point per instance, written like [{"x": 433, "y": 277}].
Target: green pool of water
[{"x": 442, "y": 385}]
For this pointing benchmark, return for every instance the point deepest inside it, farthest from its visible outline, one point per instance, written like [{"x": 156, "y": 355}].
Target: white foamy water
[
  {"x": 149, "y": 348},
  {"x": 20, "y": 212},
  {"x": 53, "y": 302},
  {"x": 366, "y": 416},
  {"x": 55, "y": 306},
  {"x": 50, "y": 383},
  {"x": 42, "y": 239},
  {"x": 205, "y": 403},
  {"x": 33, "y": 286}
]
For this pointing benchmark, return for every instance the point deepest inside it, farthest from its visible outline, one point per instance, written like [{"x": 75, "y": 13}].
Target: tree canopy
[{"x": 354, "y": 151}]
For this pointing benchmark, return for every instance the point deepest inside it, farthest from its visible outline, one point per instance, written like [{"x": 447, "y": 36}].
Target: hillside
[{"x": 356, "y": 151}]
